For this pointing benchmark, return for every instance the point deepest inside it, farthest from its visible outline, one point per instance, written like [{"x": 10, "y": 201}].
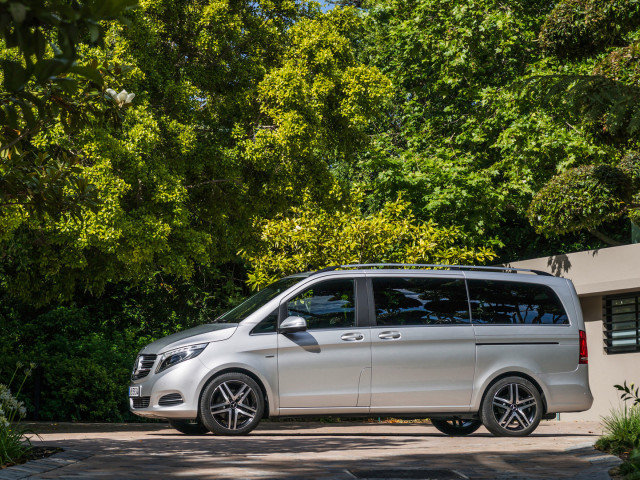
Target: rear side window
[
  {"x": 514, "y": 303},
  {"x": 420, "y": 301}
]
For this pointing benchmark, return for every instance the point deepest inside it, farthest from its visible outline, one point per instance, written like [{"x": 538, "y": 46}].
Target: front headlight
[{"x": 173, "y": 357}]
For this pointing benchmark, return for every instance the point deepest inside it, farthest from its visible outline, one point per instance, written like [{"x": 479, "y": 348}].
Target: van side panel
[{"x": 548, "y": 354}]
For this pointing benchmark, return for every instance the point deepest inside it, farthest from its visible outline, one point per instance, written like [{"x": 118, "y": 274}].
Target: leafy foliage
[
  {"x": 622, "y": 429},
  {"x": 581, "y": 198},
  {"x": 628, "y": 393},
  {"x": 13, "y": 442},
  {"x": 310, "y": 238},
  {"x": 85, "y": 351},
  {"x": 581, "y": 27},
  {"x": 178, "y": 173},
  {"x": 41, "y": 85}
]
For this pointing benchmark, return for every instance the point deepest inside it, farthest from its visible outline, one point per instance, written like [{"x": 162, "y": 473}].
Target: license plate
[{"x": 134, "y": 391}]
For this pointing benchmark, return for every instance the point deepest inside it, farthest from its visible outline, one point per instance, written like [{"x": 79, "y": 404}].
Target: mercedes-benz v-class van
[{"x": 463, "y": 346}]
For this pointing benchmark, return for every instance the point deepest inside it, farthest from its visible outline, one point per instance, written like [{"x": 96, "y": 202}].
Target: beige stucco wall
[
  {"x": 596, "y": 273},
  {"x": 605, "y": 371}
]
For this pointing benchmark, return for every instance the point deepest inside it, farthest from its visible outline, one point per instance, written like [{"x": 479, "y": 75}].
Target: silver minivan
[{"x": 463, "y": 346}]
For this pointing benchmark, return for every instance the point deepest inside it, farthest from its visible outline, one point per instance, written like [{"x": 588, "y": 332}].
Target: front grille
[
  {"x": 141, "y": 402},
  {"x": 170, "y": 399},
  {"x": 143, "y": 365}
]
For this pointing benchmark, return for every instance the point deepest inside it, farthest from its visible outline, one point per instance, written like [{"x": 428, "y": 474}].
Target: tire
[
  {"x": 232, "y": 404},
  {"x": 456, "y": 427},
  {"x": 189, "y": 427},
  {"x": 512, "y": 407}
]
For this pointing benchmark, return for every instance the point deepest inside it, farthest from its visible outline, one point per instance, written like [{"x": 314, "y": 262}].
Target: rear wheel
[
  {"x": 189, "y": 427},
  {"x": 232, "y": 404},
  {"x": 512, "y": 407},
  {"x": 456, "y": 427}
]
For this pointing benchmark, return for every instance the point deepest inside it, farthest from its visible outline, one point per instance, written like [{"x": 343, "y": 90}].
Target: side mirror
[{"x": 293, "y": 325}]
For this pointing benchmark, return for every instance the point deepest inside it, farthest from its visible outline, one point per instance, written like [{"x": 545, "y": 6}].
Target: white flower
[
  {"x": 122, "y": 98},
  {"x": 22, "y": 411}
]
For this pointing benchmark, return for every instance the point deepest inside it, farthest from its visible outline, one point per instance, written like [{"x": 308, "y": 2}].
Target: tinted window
[
  {"x": 253, "y": 303},
  {"x": 268, "y": 325},
  {"x": 420, "y": 301},
  {"x": 497, "y": 302},
  {"x": 327, "y": 304}
]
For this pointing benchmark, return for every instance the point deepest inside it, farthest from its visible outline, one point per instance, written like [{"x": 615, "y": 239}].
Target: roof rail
[{"x": 432, "y": 266}]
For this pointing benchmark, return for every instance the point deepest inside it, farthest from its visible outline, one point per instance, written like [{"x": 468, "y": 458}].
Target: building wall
[
  {"x": 597, "y": 273},
  {"x": 605, "y": 371}
]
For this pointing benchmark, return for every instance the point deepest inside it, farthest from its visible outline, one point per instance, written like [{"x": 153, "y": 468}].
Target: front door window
[{"x": 327, "y": 304}]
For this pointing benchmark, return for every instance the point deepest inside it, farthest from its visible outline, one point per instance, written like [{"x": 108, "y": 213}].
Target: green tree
[
  {"x": 310, "y": 237},
  {"x": 239, "y": 107},
  {"x": 601, "y": 97},
  {"x": 44, "y": 85},
  {"x": 491, "y": 101}
]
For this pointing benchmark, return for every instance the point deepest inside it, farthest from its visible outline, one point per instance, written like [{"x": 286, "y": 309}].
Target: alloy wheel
[
  {"x": 234, "y": 404},
  {"x": 514, "y": 407}
]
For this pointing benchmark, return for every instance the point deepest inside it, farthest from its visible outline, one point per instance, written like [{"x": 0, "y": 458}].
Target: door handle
[
  {"x": 352, "y": 337},
  {"x": 389, "y": 335}
]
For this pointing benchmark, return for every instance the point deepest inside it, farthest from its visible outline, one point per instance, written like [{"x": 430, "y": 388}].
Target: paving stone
[{"x": 316, "y": 451}]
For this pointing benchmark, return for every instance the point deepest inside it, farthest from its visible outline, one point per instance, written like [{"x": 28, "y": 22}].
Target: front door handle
[
  {"x": 352, "y": 337},
  {"x": 389, "y": 335}
]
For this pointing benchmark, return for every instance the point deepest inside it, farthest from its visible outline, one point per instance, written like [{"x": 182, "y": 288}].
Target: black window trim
[
  {"x": 372, "y": 306},
  {"x": 372, "y": 310},
  {"x": 282, "y": 309},
  {"x": 253, "y": 332},
  {"x": 607, "y": 323},
  {"x": 554, "y": 325}
]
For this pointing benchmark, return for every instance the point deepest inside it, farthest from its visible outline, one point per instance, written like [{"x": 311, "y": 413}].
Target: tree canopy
[{"x": 144, "y": 144}]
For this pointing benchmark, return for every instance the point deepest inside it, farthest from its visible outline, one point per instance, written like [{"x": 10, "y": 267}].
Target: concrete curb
[{"x": 43, "y": 465}]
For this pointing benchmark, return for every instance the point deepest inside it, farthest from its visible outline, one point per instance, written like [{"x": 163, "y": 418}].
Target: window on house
[{"x": 622, "y": 323}]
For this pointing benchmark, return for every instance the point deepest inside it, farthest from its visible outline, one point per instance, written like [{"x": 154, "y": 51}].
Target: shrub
[
  {"x": 623, "y": 432},
  {"x": 622, "y": 427},
  {"x": 581, "y": 198},
  {"x": 85, "y": 351},
  {"x": 576, "y": 28},
  {"x": 84, "y": 368},
  {"x": 13, "y": 443},
  {"x": 621, "y": 64}
]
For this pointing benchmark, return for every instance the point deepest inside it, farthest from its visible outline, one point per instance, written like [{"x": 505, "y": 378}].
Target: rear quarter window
[{"x": 495, "y": 302}]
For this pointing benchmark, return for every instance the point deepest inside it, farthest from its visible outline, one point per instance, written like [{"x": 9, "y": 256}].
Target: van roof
[{"x": 399, "y": 266}]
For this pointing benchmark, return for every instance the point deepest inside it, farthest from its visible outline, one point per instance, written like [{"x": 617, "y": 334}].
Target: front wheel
[
  {"x": 189, "y": 427},
  {"x": 512, "y": 407},
  {"x": 232, "y": 404},
  {"x": 456, "y": 427}
]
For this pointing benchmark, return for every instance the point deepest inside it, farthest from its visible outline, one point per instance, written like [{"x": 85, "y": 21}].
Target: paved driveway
[{"x": 316, "y": 451}]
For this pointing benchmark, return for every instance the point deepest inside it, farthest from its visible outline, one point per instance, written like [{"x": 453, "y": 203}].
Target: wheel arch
[
  {"x": 514, "y": 373},
  {"x": 244, "y": 371}
]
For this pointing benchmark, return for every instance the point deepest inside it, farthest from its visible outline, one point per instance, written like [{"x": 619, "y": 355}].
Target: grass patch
[
  {"x": 622, "y": 434},
  {"x": 622, "y": 429}
]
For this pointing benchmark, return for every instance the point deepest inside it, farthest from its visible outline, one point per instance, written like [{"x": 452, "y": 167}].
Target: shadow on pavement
[{"x": 309, "y": 456}]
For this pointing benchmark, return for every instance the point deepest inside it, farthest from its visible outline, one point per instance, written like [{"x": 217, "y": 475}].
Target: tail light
[{"x": 584, "y": 354}]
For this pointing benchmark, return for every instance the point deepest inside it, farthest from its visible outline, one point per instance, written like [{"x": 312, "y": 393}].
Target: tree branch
[
  {"x": 605, "y": 238},
  {"x": 28, "y": 131},
  {"x": 210, "y": 182}
]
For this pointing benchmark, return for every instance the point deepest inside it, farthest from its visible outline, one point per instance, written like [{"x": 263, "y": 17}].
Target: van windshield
[{"x": 256, "y": 301}]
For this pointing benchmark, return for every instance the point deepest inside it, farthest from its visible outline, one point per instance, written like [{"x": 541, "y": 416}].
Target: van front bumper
[{"x": 173, "y": 393}]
